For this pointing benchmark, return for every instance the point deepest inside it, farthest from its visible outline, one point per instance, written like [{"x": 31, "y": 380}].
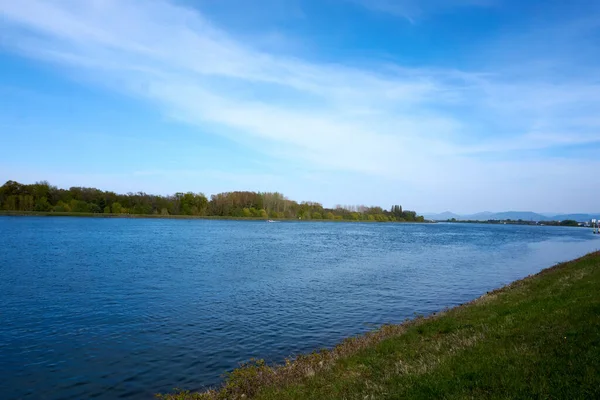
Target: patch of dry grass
[{"x": 250, "y": 377}]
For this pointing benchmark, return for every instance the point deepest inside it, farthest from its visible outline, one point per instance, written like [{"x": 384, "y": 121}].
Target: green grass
[{"x": 538, "y": 338}]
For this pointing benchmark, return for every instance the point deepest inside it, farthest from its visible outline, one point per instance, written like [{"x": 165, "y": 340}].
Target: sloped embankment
[{"x": 535, "y": 338}]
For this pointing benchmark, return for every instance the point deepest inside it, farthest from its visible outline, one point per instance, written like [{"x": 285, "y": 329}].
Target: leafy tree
[
  {"x": 42, "y": 204},
  {"x": 62, "y": 207},
  {"x": 10, "y": 203},
  {"x": 79, "y": 206},
  {"x": 26, "y": 202},
  {"x": 116, "y": 208},
  {"x": 569, "y": 222}
]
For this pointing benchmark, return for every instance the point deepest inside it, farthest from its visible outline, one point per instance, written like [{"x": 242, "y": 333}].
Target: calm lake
[{"x": 125, "y": 308}]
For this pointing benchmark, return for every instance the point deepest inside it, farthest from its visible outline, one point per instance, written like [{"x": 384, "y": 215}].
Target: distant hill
[
  {"x": 482, "y": 216},
  {"x": 524, "y": 215},
  {"x": 576, "y": 217},
  {"x": 446, "y": 215},
  {"x": 512, "y": 215}
]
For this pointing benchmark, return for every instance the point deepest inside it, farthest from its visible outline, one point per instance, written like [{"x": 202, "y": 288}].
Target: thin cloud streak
[{"x": 412, "y": 10}]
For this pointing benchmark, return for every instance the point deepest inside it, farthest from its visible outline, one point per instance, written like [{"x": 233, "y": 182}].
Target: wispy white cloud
[
  {"x": 415, "y": 125},
  {"x": 413, "y": 9}
]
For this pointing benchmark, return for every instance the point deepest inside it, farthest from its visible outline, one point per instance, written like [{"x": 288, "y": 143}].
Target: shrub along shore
[{"x": 536, "y": 338}]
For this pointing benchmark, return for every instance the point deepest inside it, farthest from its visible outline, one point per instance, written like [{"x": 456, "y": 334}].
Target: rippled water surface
[{"x": 125, "y": 308}]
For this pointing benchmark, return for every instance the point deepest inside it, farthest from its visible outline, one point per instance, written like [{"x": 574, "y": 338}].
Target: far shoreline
[
  {"x": 9, "y": 213},
  {"x": 5, "y": 213}
]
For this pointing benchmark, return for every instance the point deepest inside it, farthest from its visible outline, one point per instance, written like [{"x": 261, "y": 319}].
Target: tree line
[{"x": 43, "y": 197}]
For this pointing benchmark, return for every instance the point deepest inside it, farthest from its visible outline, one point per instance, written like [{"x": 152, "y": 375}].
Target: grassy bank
[{"x": 536, "y": 338}]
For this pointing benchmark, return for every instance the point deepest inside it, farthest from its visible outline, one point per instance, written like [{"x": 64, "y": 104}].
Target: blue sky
[{"x": 463, "y": 105}]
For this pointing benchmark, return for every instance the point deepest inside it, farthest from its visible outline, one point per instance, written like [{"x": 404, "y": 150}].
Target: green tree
[
  {"x": 79, "y": 206},
  {"x": 61, "y": 206},
  {"x": 116, "y": 208},
  {"x": 42, "y": 204},
  {"x": 10, "y": 203},
  {"x": 26, "y": 202},
  {"x": 569, "y": 222}
]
